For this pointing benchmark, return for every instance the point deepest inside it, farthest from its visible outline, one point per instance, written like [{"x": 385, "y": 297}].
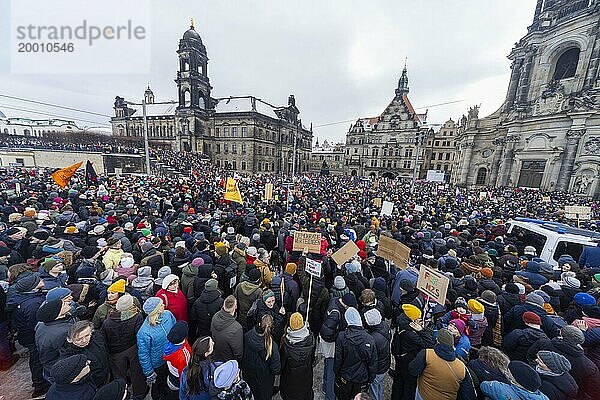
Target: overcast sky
[{"x": 342, "y": 59}]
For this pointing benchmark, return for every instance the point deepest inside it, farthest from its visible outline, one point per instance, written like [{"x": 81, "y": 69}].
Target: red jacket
[{"x": 175, "y": 302}]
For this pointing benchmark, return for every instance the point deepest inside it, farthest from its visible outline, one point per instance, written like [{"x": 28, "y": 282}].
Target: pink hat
[
  {"x": 459, "y": 324},
  {"x": 197, "y": 262}
]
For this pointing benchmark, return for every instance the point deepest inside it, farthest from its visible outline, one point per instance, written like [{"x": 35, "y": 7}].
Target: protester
[
  {"x": 227, "y": 332},
  {"x": 297, "y": 358}
]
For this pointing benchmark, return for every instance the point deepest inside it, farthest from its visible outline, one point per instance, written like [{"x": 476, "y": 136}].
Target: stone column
[
  {"x": 499, "y": 145},
  {"x": 507, "y": 160},
  {"x": 523, "y": 86},
  {"x": 568, "y": 159},
  {"x": 513, "y": 84},
  {"x": 466, "y": 162}
]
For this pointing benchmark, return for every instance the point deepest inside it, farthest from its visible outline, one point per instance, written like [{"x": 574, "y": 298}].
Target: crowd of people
[
  {"x": 158, "y": 286},
  {"x": 80, "y": 143}
]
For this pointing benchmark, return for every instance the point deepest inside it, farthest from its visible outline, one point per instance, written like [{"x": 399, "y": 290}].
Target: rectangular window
[
  {"x": 20, "y": 161},
  {"x": 243, "y": 149},
  {"x": 373, "y": 163},
  {"x": 447, "y": 156},
  {"x": 234, "y": 165},
  {"x": 225, "y": 132},
  {"x": 234, "y": 148},
  {"x": 440, "y": 156},
  {"x": 244, "y": 131},
  {"x": 225, "y": 148},
  {"x": 234, "y": 131},
  {"x": 259, "y": 151},
  {"x": 437, "y": 143},
  {"x": 243, "y": 165},
  {"x": 218, "y": 148}
]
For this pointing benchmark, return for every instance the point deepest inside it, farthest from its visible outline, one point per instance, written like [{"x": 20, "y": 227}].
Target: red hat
[
  {"x": 361, "y": 244},
  {"x": 532, "y": 318},
  {"x": 187, "y": 229},
  {"x": 487, "y": 272},
  {"x": 141, "y": 225}
]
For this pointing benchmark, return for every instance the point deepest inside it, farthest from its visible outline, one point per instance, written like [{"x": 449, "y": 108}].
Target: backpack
[{"x": 231, "y": 274}]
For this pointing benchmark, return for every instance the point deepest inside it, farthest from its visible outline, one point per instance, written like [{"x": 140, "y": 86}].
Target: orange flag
[{"x": 63, "y": 176}]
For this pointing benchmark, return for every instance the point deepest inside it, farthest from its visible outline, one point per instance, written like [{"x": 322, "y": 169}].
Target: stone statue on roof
[{"x": 473, "y": 113}]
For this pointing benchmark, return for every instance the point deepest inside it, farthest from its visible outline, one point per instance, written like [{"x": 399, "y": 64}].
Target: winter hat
[
  {"x": 557, "y": 363},
  {"x": 49, "y": 310},
  {"x": 146, "y": 246},
  {"x": 230, "y": 230},
  {"x": 543, "y": 295},
  {"x": 584, "y": 299},
  {"x": 167, "y": 280},
  {"x": 530, "y": 251},
  {"x": 27, "y": 283},
  {"x": 349, "y": 300},
  {"x": 67, "y": 369},
  {"x": 535, "y": 299},
  {"x": 459, "y": 324},
  {"x": 412, "y": 312},
  {"x": 531, "y": 318},
  {"x": 373, "y": 317},
  {"x": 452, "y": 253},
  {"x": 525, "y": 376},
  {"x": 487, "y": 272},
  {"x": 407, "y": 285},
  {"x": 211, "y": 285},
  {"x": 117, "y": 287},
  {"x": 57, "y": 293},
  {"x": 127, "y": 262},
  {"x": 572, "y": 334},
  {"x": 352, "y": 317},
  {"x": 488, "y": 296},
  {"x": 461, "y": 302},
  {"x": 339, "y": 283},
  {"x": 178, "y": 332},
  {"x": 520, "y": 286},
  {"x": 163, "y": 272},
  {"x": 353, "y": 266},
  {"x": 511, "y": 288},
  {"x": 379, "y": 284},
  {"x": 125, "y": 302},
  {"x": 296, "y": 321},
  {"x": 198, "y": 262},
  {"x": 266, "y": 294},
  {"x": 225, "y": 374},
  {"x": 476, "y": 307},
  {"x": 445, "y": 337},
  {"x": 254, "y": 275},
  {"x": 144, "y": 271},
  {"x": 291, "y": 268},
  {"x": 568, "y": 278},
  {"x": 256, "y": 237},
  {"x": 221, "y": 250},
  {"x": 89, "y": 251},
  {"x": 50, "y": 263},
  {"x": 114, "y": 390},
  {"x": 251, "y": 251},
  {"x": 151, "y": 304}
]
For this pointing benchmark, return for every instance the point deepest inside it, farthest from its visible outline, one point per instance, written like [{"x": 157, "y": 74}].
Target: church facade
[
  {"x": 241, "y": 133},
  {"x": 546, "y": 134}
]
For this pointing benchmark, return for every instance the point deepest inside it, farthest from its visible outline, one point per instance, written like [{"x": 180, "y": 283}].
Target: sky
[{"x": 340, "y": 58}]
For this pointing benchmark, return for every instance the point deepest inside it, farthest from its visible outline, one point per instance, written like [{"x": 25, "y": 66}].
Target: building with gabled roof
[{"x": 388, "y": 145}]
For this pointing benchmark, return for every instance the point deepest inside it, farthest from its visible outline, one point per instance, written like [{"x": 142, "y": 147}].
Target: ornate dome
[{"x": 191, "y": 33}]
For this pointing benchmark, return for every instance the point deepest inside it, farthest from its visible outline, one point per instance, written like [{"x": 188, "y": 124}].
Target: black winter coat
[
  {"x": 517, "y": 342},
  {"x": 82, "y": 390},
  {"x": 506, "y": 301},
  {"x": 334, "y": 321},
  {"x": 382, "y": 335},
  {"x": 408, "y": 343},
  {"x": 228, "y": 336},
  {"x": 119, "y": 334},
  {"x": 356, "y": 283},
  {"x": 25, "y": 306},
  {"x": 203, "y": 310},
  {"x": 355, "y": 356},
  {"x": 562, "y": 387},
  {"x": 259, "y": 372},
  {"x": 297, "y": 369},
  {"x": 204, "y": 274},
  {"x": 95, "y": 351}
]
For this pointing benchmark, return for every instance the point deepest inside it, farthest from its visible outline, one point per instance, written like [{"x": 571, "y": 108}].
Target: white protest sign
[
  {"x": 419, "y": 208},
  {"x": 313, "y": 267},
  {"x": 387, "y": 208}
]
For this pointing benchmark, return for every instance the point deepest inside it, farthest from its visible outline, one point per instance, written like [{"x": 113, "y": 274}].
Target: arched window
[
  {"x": 186, "y": 98},
  {"x": 481, "y": 175},
  {"x": 566, "y": 66}
]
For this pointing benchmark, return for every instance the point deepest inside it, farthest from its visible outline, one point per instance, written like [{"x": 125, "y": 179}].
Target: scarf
[{"x": 297, "y": 336}]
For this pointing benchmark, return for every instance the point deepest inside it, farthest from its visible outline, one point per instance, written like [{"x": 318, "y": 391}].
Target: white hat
[
  {"x": 230, "y": 230},
  {"x": 251, "y": 251},
  {"x": 168, "y": 280},
  {"x": 181, "y": 243},
  {"x": 128, "y": 226},
  {"x": 530, "y": 250},
  {"x": 99, "y": 229}
]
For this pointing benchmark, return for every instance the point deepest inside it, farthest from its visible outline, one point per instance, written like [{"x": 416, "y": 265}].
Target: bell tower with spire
[{"x": 403, "y": 83}]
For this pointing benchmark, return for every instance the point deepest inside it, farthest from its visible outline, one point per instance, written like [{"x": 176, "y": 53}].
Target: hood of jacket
[
  {"x": 248, "y": 288},
  {"x": 444, "y": 352},
  {"x": 189, "y": 270},
  {"x": 569, "y": 349},
  {"x": 208, "y": 297}
]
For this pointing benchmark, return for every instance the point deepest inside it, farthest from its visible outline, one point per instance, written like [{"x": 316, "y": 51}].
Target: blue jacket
[
  {"x": 25, "y": 306},
  {"x": 590, "y": 257},
  {"x": 207, "y": 376},
  {"x": 463, "y": 347},
  {"x": 532, "y": 273},
  {"x": 151, "y": 342},
  {"x": 51, "y": 282},
  {"x": 502, "y": 391}
]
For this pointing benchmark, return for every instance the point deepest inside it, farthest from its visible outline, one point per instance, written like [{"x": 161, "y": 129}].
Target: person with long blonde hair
[{"x": 261, "y": 361}]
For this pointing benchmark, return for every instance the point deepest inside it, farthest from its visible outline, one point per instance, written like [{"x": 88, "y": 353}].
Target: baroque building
[
  {"x": 546, "y": 134},
  {"x": 391, "y": 144},
  {"x": 327, "y": 158},
  {"x": 440, "y": 150},
  {"x": 242, "y": 133}
]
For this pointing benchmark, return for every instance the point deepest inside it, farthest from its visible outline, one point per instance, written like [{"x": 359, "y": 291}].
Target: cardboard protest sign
[
  {"x": 377, "y": 201},
  {"x": 483, "y": 195},
  {"x": 307, "y": 240},
  {"x": 546, "y": 199},
  {"x": 313, "y": 267},
  {"x": 579, "y": 210},
  {"x": 345, "y": 253},
  {"x": 419, "y": 208},
  {"x": 387, "y": 208},
  {"x": 393, "y": 250},
  {"x": 268, "y": 191},
  {"x": 433, "y": 284}
]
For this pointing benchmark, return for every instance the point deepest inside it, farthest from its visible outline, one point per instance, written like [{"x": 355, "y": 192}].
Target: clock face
[{"x": 486, "y": 153}]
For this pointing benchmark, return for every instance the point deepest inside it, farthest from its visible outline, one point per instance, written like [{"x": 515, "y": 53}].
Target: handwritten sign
[
  {"x": 433, "y": 284},
  {"x": 419, "y": 209},
  {"x": 387, "y": 208},
  {"x": 377, "y": 201},
  {"x": 313, "y": 267},
  {"x": 307, "y": 240},
  {"x": 578, "y": 212},
  {"x": 268, "y": 191},
  {"x": 345, "y": 253},
  {"x": 546, "y": 199},
  {"x": 394, "y": 251}
]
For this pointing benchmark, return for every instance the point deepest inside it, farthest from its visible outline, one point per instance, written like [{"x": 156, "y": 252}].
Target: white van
[{"x": 552, "y": 239}]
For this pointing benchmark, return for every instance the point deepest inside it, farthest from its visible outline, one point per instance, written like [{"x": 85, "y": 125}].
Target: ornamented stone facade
[
  {"x": 390, "y": 144},
  {"x": 440, "y": 150},
  {"x": 546, "y": 133},
  {"x": 328, "y": 158},
  {"x": 242, "y": 133}
]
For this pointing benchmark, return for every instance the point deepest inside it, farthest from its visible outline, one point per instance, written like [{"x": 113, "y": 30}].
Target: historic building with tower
[
  {"x": 391, "y": 144},
  {"x": 242, "y": 133},
  {"x": 546, "y": 134}
]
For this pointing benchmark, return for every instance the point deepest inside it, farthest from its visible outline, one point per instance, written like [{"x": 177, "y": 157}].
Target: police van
[{"x": 551, "y": 239}]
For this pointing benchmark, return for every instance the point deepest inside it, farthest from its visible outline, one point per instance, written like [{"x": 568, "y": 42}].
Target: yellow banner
[
  {"x": 232, "y": 192},
  {"x": 63, "y": 176}
]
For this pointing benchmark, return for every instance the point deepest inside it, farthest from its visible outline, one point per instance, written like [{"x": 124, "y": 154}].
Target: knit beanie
[
  {"x": 584, "y": 299},
  {"x": 178, "y": 332},
  {"x": 476, "y": 307},
  {"x": 459, "y": 324},
  {"x": 291, "y": 268},
  {"x": 198, "y": 262},
  {"x": 225, "y": 374},
  {"x": 511, "y": 288},
  {"x": 253, "y": 275},
  {"x": 535, "y": 299},
  {"x": 114, "y": 390},
  {"x": 352, "y": 317},
  {"x": 545, "y": 297},
  {"x": 349, "y": 300},
  {"x": 211, "y": 285},
  {"x": 266, "y": 294},
  {"x": 151, "y": 304},
  {"x": 67, "y": 369},
  {"x": 445, "y": 337},
  {"x": 568, "y": 278},
  {"x": 27, "y": 283},
  {"x": 557, "y": 363},
  {"x": 57, "y": 293},
  {"x": 373, "y": 317},
  {"x": 572, "y": 334},
  {"x": 461, "y": 302},
  {"x": 167, "y": 280},
  {"x": 339, "y": 283},
  {"x": 525, "y": 376},
  {"x": 125, "y": 302},
  {"x": 487, "y": 272},
  {"x": 49, "y": 263},
  {"x": 412, "y": 312},
  {"x": 488, "y": 296},
  {"x": 531, "y": 318},
  {"x": 296, "y": 321},
  {"x": 49, "y": 310},
  {"x": 117, "y": 287}
]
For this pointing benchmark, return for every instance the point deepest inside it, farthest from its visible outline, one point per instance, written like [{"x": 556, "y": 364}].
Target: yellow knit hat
[
  {"x": 117, "y": 287},
  {"x": 291, "y": 268},
  {"x": 476, "y": 307},
  {"x": 411, "y": 311},
  {"x": 296, "y": 321}
]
